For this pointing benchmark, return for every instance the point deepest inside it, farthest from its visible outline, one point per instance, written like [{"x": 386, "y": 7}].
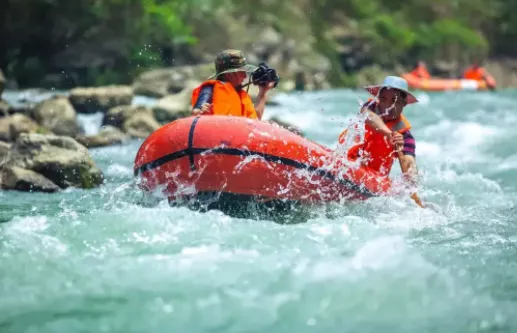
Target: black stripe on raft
[
  {"x": 239, "y": 152},
  {"x": 191, "y": 142}
]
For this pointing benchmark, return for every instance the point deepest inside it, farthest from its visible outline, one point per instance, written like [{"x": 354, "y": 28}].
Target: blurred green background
[{"x": 65, "y": 43}]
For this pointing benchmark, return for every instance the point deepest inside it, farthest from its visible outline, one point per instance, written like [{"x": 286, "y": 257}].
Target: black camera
[{"x": 264, "y": 75}]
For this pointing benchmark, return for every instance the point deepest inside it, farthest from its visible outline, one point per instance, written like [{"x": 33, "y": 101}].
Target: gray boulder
[
  {"x": 95, "y": 99},
  {"x": 36, "y": 158}
]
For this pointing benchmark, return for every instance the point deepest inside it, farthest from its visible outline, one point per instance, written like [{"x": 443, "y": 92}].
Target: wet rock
[
  {"x": 118, "y": 115},
  {"x": 140, "y": 125},
  {"x": 59, "y": 159},
  {"x": 107, "y": 136},
  {"x": 172, "y": 107},
  {"x": 58, "y": 115},
  {"x": 12, "y": 126},
  {"x": 137, "y": 121},
  {"x": 165, "y": 81},
  {"x": 159, "y": 82},
  {"x": 91, "y": 100},
  {"x": 15, "y": 178}
]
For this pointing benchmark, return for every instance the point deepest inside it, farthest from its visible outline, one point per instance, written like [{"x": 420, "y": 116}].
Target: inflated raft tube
[
  {"x": 433, "y": 84},
  {"x": 241, "y": 158}
]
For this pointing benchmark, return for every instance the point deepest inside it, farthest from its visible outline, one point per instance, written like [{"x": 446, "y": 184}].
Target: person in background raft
[
  {"x": 479, "y": 73},
  {"x": 386, "y": 129},
  {"x": 222, "y": 93},
  {"x": 420, "y": 70}
]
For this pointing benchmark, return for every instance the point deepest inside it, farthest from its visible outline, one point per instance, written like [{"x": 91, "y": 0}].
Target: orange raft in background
[
  {"x": 246, "y": 158},
  {"x": 436, "y": 84}
]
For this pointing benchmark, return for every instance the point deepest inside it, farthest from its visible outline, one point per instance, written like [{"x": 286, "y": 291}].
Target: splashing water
[{"x": 95, "y": 260}]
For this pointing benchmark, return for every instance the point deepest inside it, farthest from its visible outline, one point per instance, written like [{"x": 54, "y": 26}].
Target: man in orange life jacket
[
  {"x": 386, "y": 129},
  {"x": 478, "y": 73},
  {"x": 222, "y": 93},
  {"x": 421, "y": 71}
]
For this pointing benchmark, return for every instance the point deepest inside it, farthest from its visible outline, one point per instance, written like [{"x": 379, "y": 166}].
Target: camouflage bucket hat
[{"x": 229, "y": 61}]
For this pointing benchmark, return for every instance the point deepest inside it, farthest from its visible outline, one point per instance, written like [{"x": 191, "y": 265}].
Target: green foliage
[
  {"x": 127, "y": 35},
  {"x": 395, "y": 28},
  {"x": 389, "y": 38},
  {"x": 131, "y": 35}
]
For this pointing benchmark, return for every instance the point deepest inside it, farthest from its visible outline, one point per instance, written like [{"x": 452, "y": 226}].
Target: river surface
[{"x": 95, "y": 261}]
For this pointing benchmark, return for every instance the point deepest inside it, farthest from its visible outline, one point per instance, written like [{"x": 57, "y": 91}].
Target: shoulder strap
[{"x": 402, "y": 125}]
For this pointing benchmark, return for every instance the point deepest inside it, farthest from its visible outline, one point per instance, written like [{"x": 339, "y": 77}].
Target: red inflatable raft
[
  {"x": 436, "y": 84},
  {"x": 247, "y": 158}
]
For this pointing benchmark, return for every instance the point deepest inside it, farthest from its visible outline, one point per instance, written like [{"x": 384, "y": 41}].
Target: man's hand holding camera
[{"x": 265, "y": 78}]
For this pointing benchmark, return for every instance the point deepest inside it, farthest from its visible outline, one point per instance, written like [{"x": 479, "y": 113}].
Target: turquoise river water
[{"x": 95, "y": 261}]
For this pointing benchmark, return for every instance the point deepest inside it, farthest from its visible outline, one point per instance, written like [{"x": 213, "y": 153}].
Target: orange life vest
[
  {"x": 472, "y": 73},
  {"x": 421, "y": 72},
  {"x": 226, "y": 100},
  {"x": 376, "y": 151}
]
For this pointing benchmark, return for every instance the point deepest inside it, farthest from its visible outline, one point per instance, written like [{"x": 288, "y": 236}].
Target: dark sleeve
[
  {"x": 205, "y": 96},
  {"x": 409, "y": 144}
]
